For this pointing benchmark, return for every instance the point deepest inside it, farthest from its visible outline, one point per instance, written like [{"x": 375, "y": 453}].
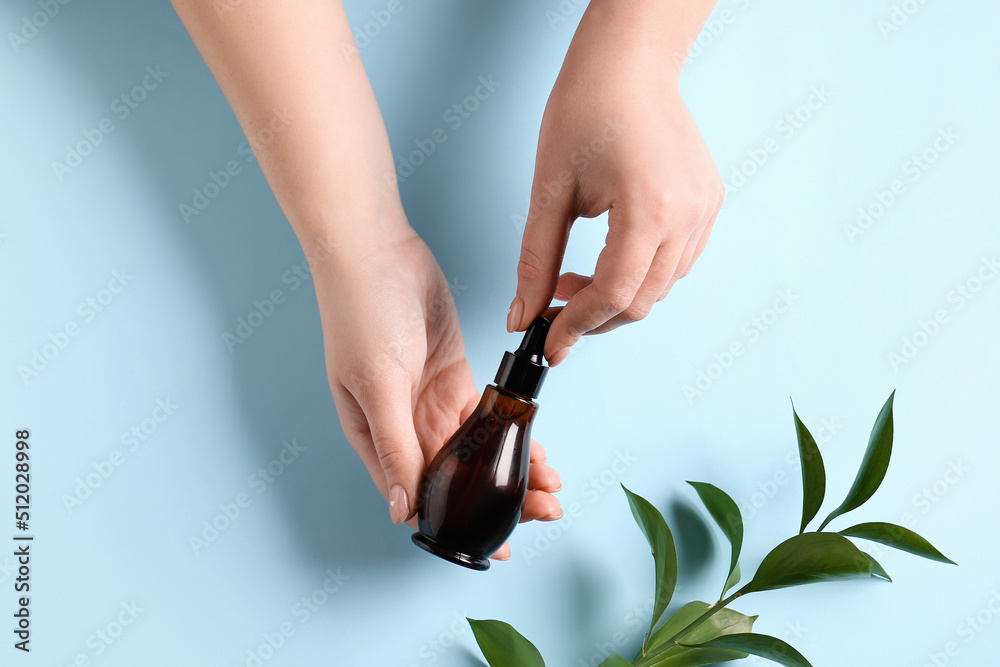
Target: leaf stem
[{"x": 645, "y": 659}]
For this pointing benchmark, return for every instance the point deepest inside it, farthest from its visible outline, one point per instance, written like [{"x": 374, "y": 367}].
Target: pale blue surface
[{"x": 619, "y": 395}]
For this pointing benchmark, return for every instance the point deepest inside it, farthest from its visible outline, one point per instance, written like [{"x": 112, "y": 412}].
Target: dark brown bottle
[{"x": 473, "y": 491}]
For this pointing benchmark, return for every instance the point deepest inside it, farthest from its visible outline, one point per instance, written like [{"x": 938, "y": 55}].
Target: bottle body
[{"x": 473, "y": 491}]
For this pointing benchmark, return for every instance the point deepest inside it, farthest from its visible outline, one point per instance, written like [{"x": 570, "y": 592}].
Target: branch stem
[{"x": 646, "y": 659}]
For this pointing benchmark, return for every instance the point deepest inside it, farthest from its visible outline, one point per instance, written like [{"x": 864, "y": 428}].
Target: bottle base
[{"x": 434, "y": 547}]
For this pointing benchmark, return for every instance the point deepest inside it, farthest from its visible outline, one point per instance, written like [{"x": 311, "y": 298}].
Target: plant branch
[{"x": 644, "y": 660}]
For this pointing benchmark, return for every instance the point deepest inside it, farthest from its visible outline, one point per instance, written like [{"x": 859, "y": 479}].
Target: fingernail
[
  {"x": 555, "y": 517},
  {"x": 514, "y": 314},
  {"x": 399, "y": 506},
  {"x": 558, "y": 356},
  {"x": 503, "y": 558}
]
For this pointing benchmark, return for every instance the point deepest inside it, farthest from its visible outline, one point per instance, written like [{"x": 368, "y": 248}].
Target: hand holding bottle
[
  {"x": 394, "y": 351},
  {"x": 397, "y": 368}
]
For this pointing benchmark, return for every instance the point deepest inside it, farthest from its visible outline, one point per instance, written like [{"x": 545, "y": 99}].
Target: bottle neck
[
  {"x": 512, "y": 394},
  {"x": 521, "y": 374}
]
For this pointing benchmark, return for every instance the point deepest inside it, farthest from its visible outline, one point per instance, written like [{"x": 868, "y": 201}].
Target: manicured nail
[
  {"x": 399, "y": 506},
  {"x": 558, "y": 357},
  {"x": 514, "y": 314}
]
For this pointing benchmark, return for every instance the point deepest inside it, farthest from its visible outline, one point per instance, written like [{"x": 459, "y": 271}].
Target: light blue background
[{"x": 619, "y": 396}]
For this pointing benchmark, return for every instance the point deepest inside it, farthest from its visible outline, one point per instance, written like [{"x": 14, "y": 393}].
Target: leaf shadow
[
  {"x": 468, "y": 658},
  {"x": 694, "y": 540}
]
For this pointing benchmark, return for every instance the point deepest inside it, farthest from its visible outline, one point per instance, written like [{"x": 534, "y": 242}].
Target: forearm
[
  {"x": 301, "y": 94},
  {"x": 662, "y": 31}
]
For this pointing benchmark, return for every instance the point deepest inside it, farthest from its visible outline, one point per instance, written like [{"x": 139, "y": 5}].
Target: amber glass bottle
[{"x": 473, "y": 491}]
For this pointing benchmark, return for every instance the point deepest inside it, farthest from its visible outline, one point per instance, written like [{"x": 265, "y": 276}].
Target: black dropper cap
[{"x": 523, "y": 370}]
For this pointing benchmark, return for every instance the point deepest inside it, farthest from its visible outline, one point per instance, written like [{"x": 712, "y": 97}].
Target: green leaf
[
  {"x": 873, "y": 466},
  {"x": 615, "y": 660},
  {"x": 809, "y": 558},
  {"x": 734, "y": 578},
  {"x": 679, "y": 656},
  {"x": 503, "y": 646},
  {"x": 724, "y": 621},
  {"x": 813, "y": 472},
  {"x": 897, "y": 537},
  {"x": 877, "y": 569},
  {"x": 661, "y": 543},
  {"x": 765, "y": 646},
  {"x": 726, "y": 513},
  {"x": 679, "y": 620}
]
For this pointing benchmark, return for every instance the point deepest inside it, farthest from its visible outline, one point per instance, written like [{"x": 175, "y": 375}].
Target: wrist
[
  {"x": 658, "y": 32},
  {"x": 343, "y": 230}
]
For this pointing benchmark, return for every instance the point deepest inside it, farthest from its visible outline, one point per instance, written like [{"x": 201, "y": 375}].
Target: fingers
[
  {"x": 503, "y": 553},
  {"x": 543, "y": 481},
  {"x": 661, "y": 273},
  {"x": 539, "y": 503},
  {"x": 470, "y": 407},
  {"x": 537, "y": 454},
  {"x": 696, "y": 245},
  {"x": 355, "y": 425},
  {"x": 388, "y": 408},
  {"x": 621, "y": 268},
  {"x": 542, "y": 477},
  {"x": 592, "y": 302},
  {"x": 542, "y": 247},
  {"x": 571, "y": 283},
  {"x": 540, "y": 506}
]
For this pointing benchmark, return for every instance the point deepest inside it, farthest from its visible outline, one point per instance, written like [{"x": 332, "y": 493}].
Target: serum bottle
[{"x": 473, "y": 492}]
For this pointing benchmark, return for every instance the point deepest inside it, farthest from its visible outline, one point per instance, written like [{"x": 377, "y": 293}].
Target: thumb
[
  {"x": 390, "y": 419},
  {"x": 546, "y": 232}
]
